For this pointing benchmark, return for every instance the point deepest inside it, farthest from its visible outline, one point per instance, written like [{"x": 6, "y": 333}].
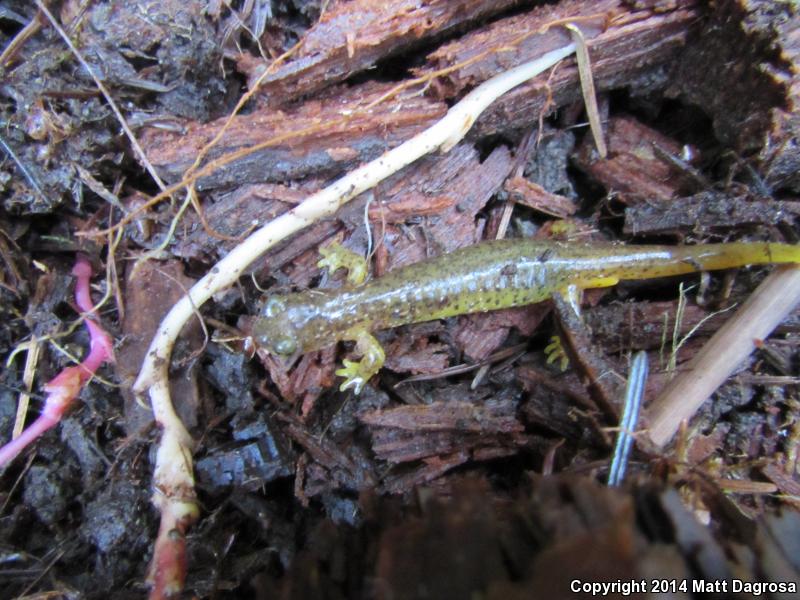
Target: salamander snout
[{"x": 274, "y": 330}]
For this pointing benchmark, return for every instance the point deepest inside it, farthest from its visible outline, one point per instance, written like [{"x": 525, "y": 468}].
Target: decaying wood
[
  {"x": 598, "y": 372},
  {"x": 560, "y": 403},
  {"x": 445, "y": 433},
  {"x": 778, "y": 156},
  {"x": 634, "y": 171},
  {"x": 415, "y": 353},
  {"x": 459, "y": 175},
  {"x": 506, "y": 33},
  {"x": 477, "y": 336},
  {"x": 640, "y": 43},
  {"x": 458, "y": 184},
  {"x": 530, "y": 194},
  {"x": 353, "y": 475},
  {"x": 633, "y": 51},
  {"x": 332, "y": 147},
  {"x": 150, "y": 288},
  {"x": 353, "y": 36},
  {"x": 708, "y": 212},
  {"x": 445, "y": 416},
  {"x": 743, "y": 62},
  {"x": 631, "y": 326},
  {"x": 231, "y": 215}
]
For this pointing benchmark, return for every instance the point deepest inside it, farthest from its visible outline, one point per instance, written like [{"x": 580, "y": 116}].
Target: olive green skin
[{"x": 487, "y": 276}]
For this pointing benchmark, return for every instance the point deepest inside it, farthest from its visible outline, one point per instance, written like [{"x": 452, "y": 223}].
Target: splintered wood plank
[
  {"x": 331, "y": 147},
  {"x": 628, "y": 48},
  {"x": 353, "y": 36}
]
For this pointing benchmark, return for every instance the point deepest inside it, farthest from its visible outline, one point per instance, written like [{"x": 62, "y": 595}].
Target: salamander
[{"x": 487, "y": 276}]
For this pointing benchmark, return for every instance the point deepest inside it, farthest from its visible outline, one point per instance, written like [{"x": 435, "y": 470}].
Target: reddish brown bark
[
  {"x": 332, "y": 144},
  {"x": 353, "y": 36}
]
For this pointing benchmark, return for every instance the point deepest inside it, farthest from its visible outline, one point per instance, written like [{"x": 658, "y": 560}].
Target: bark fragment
[
  {"x": 634, "y": 171},
  {"x": 739, "y": 71},
  {"x": 328, "y": 146},
  {"x": 353, "y": 36},
  {"x": 461, "y": 176},
  {"x": 634, "y": 326},
  {"x": 633, "y": 51},
  {"x": 708, "y": 212},
  {"x": 530, "y": 194},
  {"x": 150, "y": 290}
]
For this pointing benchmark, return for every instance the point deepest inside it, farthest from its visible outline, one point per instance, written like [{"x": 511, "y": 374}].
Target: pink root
[
  {"x": 167, "y": 571},
  {"x": 64, "y": 387}
]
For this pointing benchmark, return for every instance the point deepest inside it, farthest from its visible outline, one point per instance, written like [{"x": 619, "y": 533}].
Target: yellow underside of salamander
[{"x": 487, "y": 276}]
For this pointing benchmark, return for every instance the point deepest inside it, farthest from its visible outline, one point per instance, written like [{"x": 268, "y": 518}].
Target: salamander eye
[
  {"x": 285, "y": 346},
  {"x": 273, "y": 330},
  {"x": 274, "y": 306}
]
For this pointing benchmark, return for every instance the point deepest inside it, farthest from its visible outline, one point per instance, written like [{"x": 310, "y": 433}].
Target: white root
[{"x": 173, "y": 478}]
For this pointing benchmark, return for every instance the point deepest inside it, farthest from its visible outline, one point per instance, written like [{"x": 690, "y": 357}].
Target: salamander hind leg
[
  {"x": 335, "y": 256},
  {"x": 555, "y": 352},
  {"x": 573, "y": 292},
  {"x": 599, "y": 282},
  {"x": 357, "y": 373}
]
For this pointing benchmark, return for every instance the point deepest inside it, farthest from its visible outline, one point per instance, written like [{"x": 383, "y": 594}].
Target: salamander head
[{"x": 274, "y": 330}]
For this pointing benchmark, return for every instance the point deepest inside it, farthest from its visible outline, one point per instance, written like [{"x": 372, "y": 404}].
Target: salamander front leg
[
  {"x": 357, "y": 373},
  {"x": 335, "y": 256}
]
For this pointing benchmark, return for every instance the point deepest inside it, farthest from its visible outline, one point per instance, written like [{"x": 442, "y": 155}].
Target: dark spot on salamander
[
  {"x": 509, "y": 270},
  {"x": 693, "y": 263}
]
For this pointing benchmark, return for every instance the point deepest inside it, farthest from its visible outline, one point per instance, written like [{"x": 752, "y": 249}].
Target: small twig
[
  {"x": 673, "y": 360},
  {"x": 513, "y": 351},
  {"x": 112, "y": 277},
  {"x": 17, "y": 481},
  {"x": 173, "y": 226},
  {"x": 14, "y": 46},
  {"x": 774, "y": 299},
  {"x": 56, "y": 557},
  {"x": 528, "y": 142}
]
